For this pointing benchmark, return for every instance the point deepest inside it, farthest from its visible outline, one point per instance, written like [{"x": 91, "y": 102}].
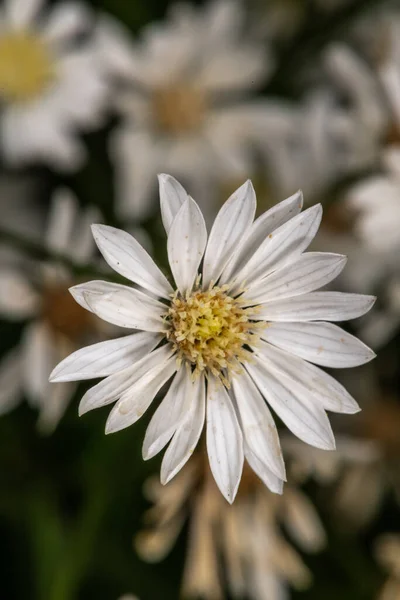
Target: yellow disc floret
[
  {"x": 26, "y": 66},
  {"x": 210, "y": 330}
]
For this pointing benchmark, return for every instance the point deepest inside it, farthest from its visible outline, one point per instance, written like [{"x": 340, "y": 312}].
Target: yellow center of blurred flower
[
  {"x": 210, "y": 330},
  {"x": 178, "y": 110},
  {"x": 63, "y": 315},
  {"x": 26, "y": 66}
]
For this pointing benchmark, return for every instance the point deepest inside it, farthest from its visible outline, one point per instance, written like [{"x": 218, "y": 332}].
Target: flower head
[
  {"x": 187, "y": 100},
  {"x": 50, "y": 84},
  {"x": 242, "y": 325}
]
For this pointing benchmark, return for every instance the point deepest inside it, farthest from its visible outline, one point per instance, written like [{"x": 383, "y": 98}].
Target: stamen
[{"x": 210, "y": 331}]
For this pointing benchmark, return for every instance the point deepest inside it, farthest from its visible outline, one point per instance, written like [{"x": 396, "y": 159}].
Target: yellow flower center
[
  {"x": 179, "y": 109},
  {"x": 210, "y": 330},
  {"x": 26, "y": 66}
]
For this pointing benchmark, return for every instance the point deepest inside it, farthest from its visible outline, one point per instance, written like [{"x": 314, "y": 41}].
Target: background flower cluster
[{"x": 96, "y": 99}]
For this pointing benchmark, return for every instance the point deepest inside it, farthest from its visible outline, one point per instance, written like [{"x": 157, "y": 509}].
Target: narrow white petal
[
  {"x": 305, "y": 419},
  {"x": 172, "y": 196},
  {"x": 258, "y": 427},
  {"x": 99, "y": 288},
  {"x": 18, "y": 299},
  {"x": 298, "y": 372},
  {"x": 302, "y": 521},
  {"x": 137, "y": 398},
  {"x": 126, "y": 308},
  {"x": 230, "y": 225},
  {"x": 111, "y": 388},
  {"x": 21, "y": 13},
  {"x": 261, "y": 228},
  {"x": 282, "y": 245},
  {"x": 317, "y": 306},
  {"x": 187, "y": 435},
  {"x": 65, "y": 21},
  {"x": 10, "y": 381},
  {"x": 105, "y": 358},
  {"x": 274, "y": 483},
  {"x": 126, "y": 256},
  {"x": 63, "y": 212},
  {"x": 186, "y": 243},
  {"x": 307, "y": 273},
  {"x": 169, "y": 414},
  {"x": 224, "y": 440},
  {"x": 321, "y": 343},
  {"x": 39, "y": 356}
]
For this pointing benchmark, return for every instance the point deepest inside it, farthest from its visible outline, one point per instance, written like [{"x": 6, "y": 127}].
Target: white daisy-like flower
[
  {"x": 187, "y": 103},
  {"x": 376, "y": 203},
  {"x": 51, "y": 83},
  {"x": 238, "y": 549},
  {"x": 35, "y": 292},
  {"x": 241, "y": 325}
]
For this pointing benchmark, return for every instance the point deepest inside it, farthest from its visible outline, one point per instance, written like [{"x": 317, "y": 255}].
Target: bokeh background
[{"x": 289, "y": 93}]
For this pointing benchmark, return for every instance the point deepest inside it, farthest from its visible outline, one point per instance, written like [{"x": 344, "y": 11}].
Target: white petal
[
  {"x": 307, "y": 273},
  {"x": 169, "y": 414},
  {"x": 306, "y": 419},
  {"x": 39, "y": 356},
  {"x": 91, "y": 288},
  {"x": 172, "y": 196},
  {"x": 224, "y": 440},
  {"x": 264, "y": 473},
  {"x": 257, "y": 425},
  {"x": 261, "y": 228},
  {"x": 111, "y": 388},
  {"x": 63, "y": 212},
  {"x": 298, "y": 372},
  {"x": 18, "y": 299},
  {"x": 186, "y": 243},
  {"x": 105, "y": 358},
  {"x": 126, "y": 308},
  {"x": 21, "y": 13},
  {"x": 282, "y": 245},
  {"x": 10, "y": 381},
  {"x": 187, "y": 435},
  {"x": 302, "y": 521},
  {"x": 137, "y": 398},
  {"x": 230, "y": 225},
  {"x": 53, "y": 407},
  {"x": 321, "y": 343},
  {"x": 126, "y": 256},
  {"x": 65, "y": 21},
  {"x": 317, "y": 306}
]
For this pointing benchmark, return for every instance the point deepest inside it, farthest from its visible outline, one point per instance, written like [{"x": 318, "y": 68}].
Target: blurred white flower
[
  {"x": 186, "y": 103},
  {"x": 241, "y": 546},
  {"x": 376, "y": 204},
  {"x": 51, "y": 84},
  {"x": 389, "y": 68},
  {"x": 333, "y": 133},
  {"x": 37, "y": 292},
  {"x": 236, "y": 331}
]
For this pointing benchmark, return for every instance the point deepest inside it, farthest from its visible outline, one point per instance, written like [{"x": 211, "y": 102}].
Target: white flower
[
  {"x": 49, "y": 85},
  {"x": 234, "y": 332},
  {"x": 337, "y": 128},
  {"x": 186, "y": 104},
  {"x": 37, "y": 293},
  {"x": 238, "y": 549},
  {"x": 376, "y": 203}
]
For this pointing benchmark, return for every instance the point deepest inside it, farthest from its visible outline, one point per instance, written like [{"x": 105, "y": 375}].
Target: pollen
[
  {"x": 26, "y": 66},
  {"x": 210, "y": 331},
  {"x": 178, "y": 110}
]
